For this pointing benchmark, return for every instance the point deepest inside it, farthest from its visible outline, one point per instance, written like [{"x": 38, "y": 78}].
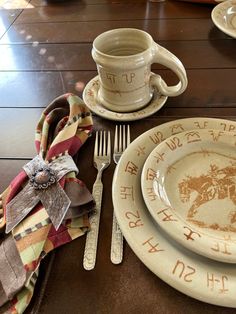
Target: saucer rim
[{"x": 122, "y": 116}]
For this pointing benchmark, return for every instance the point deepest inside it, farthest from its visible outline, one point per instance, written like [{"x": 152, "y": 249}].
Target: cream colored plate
[
  {"x": 90, "y": 95},
  {"x": 188, "y": 272},
  {"x": 189, "y": 186},
  {"x": 224, "y": 17}
]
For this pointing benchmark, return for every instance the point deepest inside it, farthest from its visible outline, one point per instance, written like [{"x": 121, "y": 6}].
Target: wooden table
[{"x": 45, "y": 50}]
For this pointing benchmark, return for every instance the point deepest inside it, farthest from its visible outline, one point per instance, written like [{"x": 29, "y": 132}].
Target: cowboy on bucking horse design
[{"x": 217, "y": 183}]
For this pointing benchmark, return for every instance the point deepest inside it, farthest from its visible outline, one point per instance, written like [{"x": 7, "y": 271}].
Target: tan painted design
[
  {"x": 176, "y": 128},
  {"x": 217, "y": 183},
  {"x": 201, "y": 125},
  {"x": 90, "y": 93},
  {"x": 134, "y": 219},
  {"x": 170, "y": 169},
  {"x": 216, "y": 135},
  {"x": 127, "y": 192},
  {"x": 228, "y": 127},
  {"x": 166, "y": 214},
  {"x": 221, "y": 247},
  {"x": 131, "y": 168},
  {"x": 152, "y": 194},
  {"x": 216, "y": 282},
  {"x": 140, "y": 150},
  {"x": 184, "y": 272},
  {"x": 146, "y": 76},
  {"x": 128, "y": 77},
  {"x": 150, "y": 174},
  {"x": 173, "y": 143},
  {"x": 153, "y": 245},
  {"x": 205, "y": 152},
  {"x": 157, "y": 137},
  {"x": 191, "y": 234},
  {"x": 159, "y": 157},
  {"x": 192, "y": 136},
  {"x": 111, "y": 77}
]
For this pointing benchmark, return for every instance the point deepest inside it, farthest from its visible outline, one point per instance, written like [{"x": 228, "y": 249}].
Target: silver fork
[
  {"x": 122, "y": 140},
  {"x": 101, "y": 160}
]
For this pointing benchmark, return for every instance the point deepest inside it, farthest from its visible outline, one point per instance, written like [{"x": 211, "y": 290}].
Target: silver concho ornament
[{"x": 42, "y": 178}]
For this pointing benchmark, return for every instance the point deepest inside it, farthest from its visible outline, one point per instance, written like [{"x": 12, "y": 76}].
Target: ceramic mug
[{"x": 124, "y": 57}]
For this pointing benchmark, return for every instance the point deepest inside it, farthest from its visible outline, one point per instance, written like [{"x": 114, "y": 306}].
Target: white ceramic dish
[
  {"x": 90, "y": 99},
  {"x": 224, "y": 17},
  {"x": 189, "y": 184},
  {"x": 199, "y": 277}
]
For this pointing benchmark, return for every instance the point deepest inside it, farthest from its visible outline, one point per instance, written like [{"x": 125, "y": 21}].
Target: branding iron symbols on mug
[{"x": 124, "y": 57}]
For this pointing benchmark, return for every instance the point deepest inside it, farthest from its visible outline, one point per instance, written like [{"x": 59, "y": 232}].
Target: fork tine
[
  {"x": 120, "y": 139},
  {"x": 100, "y": 144},
  {"x": 109, "y": 144},
  {"x": 123, "y": 139},
  {"x": 96, "y": 145},
  {"x": 104, "y": 143},
  {"x": 128, "y": 135},
  {"x": 116, "y": 140}
]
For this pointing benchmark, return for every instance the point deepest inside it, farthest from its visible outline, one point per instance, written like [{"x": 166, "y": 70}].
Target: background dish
[{"x": 224, "y": 17}]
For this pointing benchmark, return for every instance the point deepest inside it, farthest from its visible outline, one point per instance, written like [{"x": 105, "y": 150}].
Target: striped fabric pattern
[{"x": 63, "y": 128}]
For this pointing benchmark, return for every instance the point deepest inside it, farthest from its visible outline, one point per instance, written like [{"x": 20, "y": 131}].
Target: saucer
[
  {"x": 224, "y": 17},
  {"x": 89, "y": 97}
]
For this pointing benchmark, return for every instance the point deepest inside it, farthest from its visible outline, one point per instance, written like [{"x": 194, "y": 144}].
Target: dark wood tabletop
[{"x": 45, "y": 51}]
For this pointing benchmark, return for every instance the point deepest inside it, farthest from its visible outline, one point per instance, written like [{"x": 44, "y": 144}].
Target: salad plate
[
  {"x": 189, "y": 187},
  {"x": 192, "y": 274},
  {"x": 224, "y": 17},
  {"x": 90, "y": 99}
]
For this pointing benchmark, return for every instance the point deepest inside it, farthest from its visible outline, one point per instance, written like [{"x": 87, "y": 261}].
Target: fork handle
[
  {"x": 90, "y": 251},
  {"x": 116, "y": 242}
]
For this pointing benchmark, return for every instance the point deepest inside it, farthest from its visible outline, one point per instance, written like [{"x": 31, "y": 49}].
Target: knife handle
[{"x": 90, "y": 251}]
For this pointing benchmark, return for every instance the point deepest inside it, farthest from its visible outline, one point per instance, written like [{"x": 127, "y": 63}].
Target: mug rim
[{"x": 119, "y": 30}]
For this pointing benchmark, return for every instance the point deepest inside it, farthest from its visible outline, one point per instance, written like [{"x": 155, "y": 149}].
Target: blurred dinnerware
[{"x": 224, "y": 17}]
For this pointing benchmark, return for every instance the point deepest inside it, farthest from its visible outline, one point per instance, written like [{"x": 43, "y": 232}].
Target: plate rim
[{"x": 155, "y": 265}]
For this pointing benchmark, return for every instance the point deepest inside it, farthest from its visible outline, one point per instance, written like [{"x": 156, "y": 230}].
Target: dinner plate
[
  {"x": 90, "y": 99},
  {"x": 224, "y": 17},
  {"x": 189, "y": 187},
  {"x": 197, "y": 276}
]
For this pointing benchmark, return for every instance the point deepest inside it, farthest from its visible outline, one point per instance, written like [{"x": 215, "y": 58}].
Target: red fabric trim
[
  {"x": 59, "y": 237},
  {"x": 72, "y": 144}
]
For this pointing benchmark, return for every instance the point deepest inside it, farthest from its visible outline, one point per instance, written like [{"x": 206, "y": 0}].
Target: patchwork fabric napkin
[{"x": 45, "y": 206}]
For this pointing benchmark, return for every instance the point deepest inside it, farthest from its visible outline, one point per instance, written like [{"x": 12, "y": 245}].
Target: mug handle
[{"x": 168, "y": 59}]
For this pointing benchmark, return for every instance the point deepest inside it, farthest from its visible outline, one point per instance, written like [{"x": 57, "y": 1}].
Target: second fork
[{"x": 122, "y": 140}]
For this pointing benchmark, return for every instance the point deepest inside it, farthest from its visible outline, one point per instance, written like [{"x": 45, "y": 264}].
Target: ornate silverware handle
[
  {"x": 117, "y": 242},
  {"x": 90, "y": 251}
]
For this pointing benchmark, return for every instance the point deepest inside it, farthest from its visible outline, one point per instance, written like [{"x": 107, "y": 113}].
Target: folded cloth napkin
[{"x": 45, "y": 206}]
